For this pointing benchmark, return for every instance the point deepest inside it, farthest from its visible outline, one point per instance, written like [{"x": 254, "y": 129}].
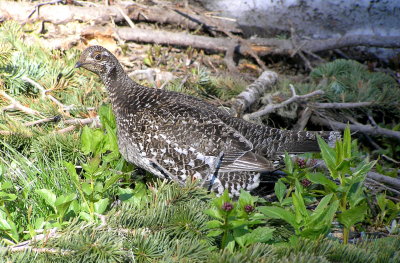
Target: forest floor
[{"x": 66, "y": 194}]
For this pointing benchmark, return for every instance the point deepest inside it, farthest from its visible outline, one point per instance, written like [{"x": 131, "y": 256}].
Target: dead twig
[
  {"x": 341, "y": 105},
  {"x": 128, "y": 20},
  {"x": 303, "y": 120},
  {"x": 26, "y": 245},
  {"x": 272, "y": 107},
  {"x": 367, "y": 129},
  {"x": 16, "y": 105},
  {"x": 42, "y": 90}
]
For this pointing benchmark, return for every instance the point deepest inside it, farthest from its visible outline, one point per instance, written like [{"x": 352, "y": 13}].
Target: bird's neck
[{"x": 121, "y": 88}]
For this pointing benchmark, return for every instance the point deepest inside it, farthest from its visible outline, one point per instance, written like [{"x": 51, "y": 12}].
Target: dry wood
[
  {"x": 253, "y": 92},
  {"x": 367, "y": 129},
  {"x": 341, "y": 105},
  {"x": 16, "y": 105},
  {"x": 258, "y": 46},
  {"x": 100, "y": 14},
  {"x": 272, "y": 107}
]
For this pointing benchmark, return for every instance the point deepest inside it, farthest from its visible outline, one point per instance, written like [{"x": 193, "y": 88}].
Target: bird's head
[{"x": 98, "y": 60}]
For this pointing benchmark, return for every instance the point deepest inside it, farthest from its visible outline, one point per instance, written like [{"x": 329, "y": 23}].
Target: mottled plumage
[{"x": 179, "y": 137}]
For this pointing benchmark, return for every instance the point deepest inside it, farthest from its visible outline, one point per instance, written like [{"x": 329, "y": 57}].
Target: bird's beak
[{"x": 78, "y": 64}]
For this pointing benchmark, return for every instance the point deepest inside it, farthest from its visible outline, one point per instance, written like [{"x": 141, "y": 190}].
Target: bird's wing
[{"x": 197, "y": 137}]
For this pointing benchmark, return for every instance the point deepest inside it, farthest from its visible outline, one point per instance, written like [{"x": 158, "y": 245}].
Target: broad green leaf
[
  {"x": 279, "y": 213},
  {"x": 344, "y": 166},
  {"x": 87, "y": 188},
  {"x": 62, "y": 199},
  {"x": 85, "y": 216},
  {"x": 321, "y": 206},
  {"x": 352, "y": 216},
  {"x": 347, "y": 143},
  {"x": 328, "y": 154},
  {"x": 319, "y": 178},
  {"x": 213, "y": 212},
  {"x": 331, "y": 212},
  {"x": 72, "y": 172},
  {"x": 245, "y": 198},
  {"x": 280, "y": 190},
  {"x": 258, "y": 235},
  {"x": 63, "y": 202},
  {"x": 101, "y": 205},
  {"x": 48, "y": 196},
  {"x": 363, "y": 168},
  {"x": 111, "y": 181},
  {"x": 86, "y": 140},
  {"x": 5, "y": 185},
  {"x": 288, "y": 163},
  {"x": 299, "y": 207},
  {"x": 91, "y": 140},
  {"x": 382, "y": 201},
  {"x": 323, "y": 214},
  {"x": 106, "y": 115},
  {"x": 7, "y": 197},
  {"x": 239, "y": 235},
  {"x": 4, "y": 225},
  {"x": 92, "y": 165},
  {"x": 215, "y": 233},
  {"x": 214, "y": 224}
]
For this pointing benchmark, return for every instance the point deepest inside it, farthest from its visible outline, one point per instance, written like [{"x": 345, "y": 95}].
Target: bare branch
[
  {"x": 42, "y": 90},
  {"x": 16, "y": 105},
  {"x": 344, "y": 105},
  {"x": 367, "y": 129},
  {"x": 272, "y": 107}
]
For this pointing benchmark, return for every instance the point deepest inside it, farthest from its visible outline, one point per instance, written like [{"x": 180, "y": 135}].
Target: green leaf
[
  {"x": 280, "y": 190},
  {"x": 245, "y": 198},
  {"x": 111, "y": 181},
  {"x": 106, "y": 116},
  {"x": 352, "y": 216},
  {"x": 319, "y": 178},
  {"x": 347, "y": 143},
  {"x": 48, "y": 196},
  {"x": 322, "y": 205},
  {"x": 215, "y": 233},
  {"x": 85, "y": 216},
  {"x": 328, "y": 154},
  {"x": 101, "y": 205},
  {"x": 213, "y": 212},
  {"x": 4, "y": 225},
  {"x": 258, "y": 235},
  {"x": 214, "y": 224},
  {"x": 300, "y": 208},
  {"x": 279, "y": 213},
  {"x": 363, "y": 168},
  {"x": 7, "y": 197},
  {"x": 63, "y": 202},
  {"x": 382, "y": 201},
  {"x": 72, "y": 172},
  {"x": 87, "y": 188},
  {"x": 288, "y": 163},
  {"x": 92, "y": 141}
]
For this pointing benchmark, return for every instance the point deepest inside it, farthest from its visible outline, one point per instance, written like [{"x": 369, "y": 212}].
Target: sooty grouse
[{"x": 179, "y": 137}]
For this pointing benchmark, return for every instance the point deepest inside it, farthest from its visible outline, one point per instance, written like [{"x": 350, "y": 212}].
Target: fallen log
[
  {"x": 24, "y": 12},
  {"x": 259, "y": 46}
]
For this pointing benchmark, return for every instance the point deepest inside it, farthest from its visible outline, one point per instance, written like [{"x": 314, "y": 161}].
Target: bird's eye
[{"x": 97, "y": 57}]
